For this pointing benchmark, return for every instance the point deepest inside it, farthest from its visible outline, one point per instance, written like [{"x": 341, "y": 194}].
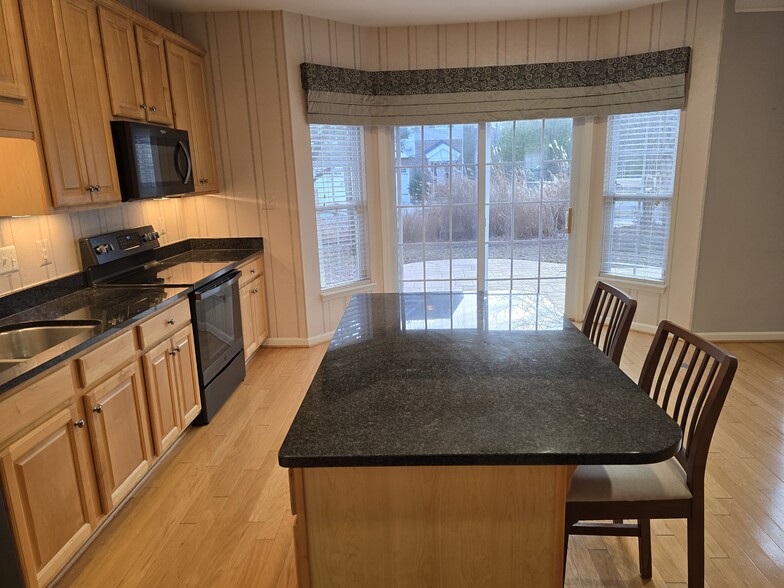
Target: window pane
[
  {"x": 338, "y": 184},
  {"x": 638, "y": 186}
]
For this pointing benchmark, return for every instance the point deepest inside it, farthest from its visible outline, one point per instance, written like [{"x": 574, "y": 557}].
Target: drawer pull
[
  {"x": 79, "y": 424},
  {"x": 253, "y": 271},
  {"x": 98, "y": 409},
  {"x": 170, "y": 321}
]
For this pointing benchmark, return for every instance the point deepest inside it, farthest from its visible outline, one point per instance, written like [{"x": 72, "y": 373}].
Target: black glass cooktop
[{"x": 171, "y": 273}]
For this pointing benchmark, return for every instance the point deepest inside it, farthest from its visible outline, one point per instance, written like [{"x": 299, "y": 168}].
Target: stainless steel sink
[{"x": 26, "y": 340}]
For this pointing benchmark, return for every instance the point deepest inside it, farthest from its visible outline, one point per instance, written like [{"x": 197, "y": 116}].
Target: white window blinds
[
  {"x": 639, "y": 178},
  {"x": 338, "y": 182}
]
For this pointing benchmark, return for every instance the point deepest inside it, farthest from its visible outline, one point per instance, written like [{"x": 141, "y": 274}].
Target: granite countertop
[
  {"x": 111, "y": 309},
  {"x": 440, "y": 379}
]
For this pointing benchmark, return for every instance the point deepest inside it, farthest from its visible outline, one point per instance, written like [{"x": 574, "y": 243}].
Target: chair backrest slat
[
  {"x": 608, "y": 320},
  {"x": 692, "y": 392}
]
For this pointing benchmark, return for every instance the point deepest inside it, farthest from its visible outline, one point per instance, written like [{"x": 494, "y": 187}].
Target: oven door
[{"x": 218, "y": 325}]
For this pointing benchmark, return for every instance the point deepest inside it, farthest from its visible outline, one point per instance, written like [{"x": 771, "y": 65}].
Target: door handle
[{"x": 185, "y": 176}]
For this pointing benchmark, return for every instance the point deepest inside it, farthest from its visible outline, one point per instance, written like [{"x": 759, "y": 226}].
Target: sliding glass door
[{"x": 484, "y": 207}]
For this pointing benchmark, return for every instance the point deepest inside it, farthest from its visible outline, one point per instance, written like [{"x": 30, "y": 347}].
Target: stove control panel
[{"x": 102, "y": 249}]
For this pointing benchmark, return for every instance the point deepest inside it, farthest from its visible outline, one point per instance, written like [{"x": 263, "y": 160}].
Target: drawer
[
  {"x": 251, "y": 270},
  {"x": 106, "y": 358},
  {"x": 164, "y": 324},
  {"x": 34, "y": 401}
]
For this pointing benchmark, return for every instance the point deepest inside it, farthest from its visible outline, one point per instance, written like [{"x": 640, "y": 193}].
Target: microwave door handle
[{"x": 186, "y": 177}]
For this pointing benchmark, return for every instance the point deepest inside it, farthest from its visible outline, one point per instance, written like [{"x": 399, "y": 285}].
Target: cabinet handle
[
  {"x": 98, "y": 409},
  {"x": 91, "y": 189},
  {"x": 79, "y": 424},
  {"x": 253, "y": 271},
  {"x": 143, "y": 106},
  {"x": 170, "y": 321},
  {"x": 173, "y": 352},
  {"x": 97, "y": 188},
  {"x": 153, "y": 109},
  {"x": 254, "y": 291}
]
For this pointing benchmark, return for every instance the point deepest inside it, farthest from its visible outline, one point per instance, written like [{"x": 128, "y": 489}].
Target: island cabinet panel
[
  {"x": 69, "y": 77},
  {"x": 154, "y": 75},
  {"x": 119, "y": 429},
  {"x": 12, "y": 60},
  {"x": 46, "y": 489},
  {"x": 191, "y": 112},
  {"x": 456, "y": 526},
  {"x": 122, "y": 65},
  {"x": 160, "y": 375}
]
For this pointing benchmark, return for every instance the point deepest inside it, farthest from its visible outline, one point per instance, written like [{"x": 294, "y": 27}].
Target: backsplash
[{"x": 174, "y": 218}]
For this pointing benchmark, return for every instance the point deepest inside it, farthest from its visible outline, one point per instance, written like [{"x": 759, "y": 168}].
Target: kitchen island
[{"x": 437, "y": 440}]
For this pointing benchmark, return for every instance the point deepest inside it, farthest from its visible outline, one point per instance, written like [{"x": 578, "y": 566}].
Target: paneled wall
[{"x": 696, "y": 23}]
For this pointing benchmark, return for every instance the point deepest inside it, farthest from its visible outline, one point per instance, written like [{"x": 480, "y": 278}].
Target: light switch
[{"x": 8, "y": 262}]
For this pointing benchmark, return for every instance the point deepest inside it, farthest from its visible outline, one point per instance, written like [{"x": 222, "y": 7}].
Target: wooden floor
[{"x": 216, "y": 512}]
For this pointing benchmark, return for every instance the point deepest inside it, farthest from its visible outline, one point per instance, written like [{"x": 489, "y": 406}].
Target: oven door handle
[{"x": 217, "y": 287}]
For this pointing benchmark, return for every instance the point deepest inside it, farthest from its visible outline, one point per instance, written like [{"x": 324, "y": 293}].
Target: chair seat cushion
[{"x": 629, "y": 483}]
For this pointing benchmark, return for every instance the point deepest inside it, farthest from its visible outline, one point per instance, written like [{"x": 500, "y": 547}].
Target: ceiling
[{"x": 411, "y": 12}]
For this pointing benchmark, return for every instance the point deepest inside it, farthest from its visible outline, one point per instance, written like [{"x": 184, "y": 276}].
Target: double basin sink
[{"x": 23, "y": 341}]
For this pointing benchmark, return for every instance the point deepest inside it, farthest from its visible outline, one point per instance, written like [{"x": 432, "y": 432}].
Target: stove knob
[
  {"x": 155, "y": 235},
  {"x": 101, "y": 249}
]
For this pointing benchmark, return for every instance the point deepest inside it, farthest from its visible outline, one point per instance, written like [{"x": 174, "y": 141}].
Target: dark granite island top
[{"x": 440, "y": 379}]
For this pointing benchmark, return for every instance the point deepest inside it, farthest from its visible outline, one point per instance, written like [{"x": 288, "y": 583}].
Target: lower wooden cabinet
[
  {"x": 46, "y": 488},
  {"x": 253, "y": 308},
  {"x": 117, "y": 413},
  {"x": 172, "y": 387}
]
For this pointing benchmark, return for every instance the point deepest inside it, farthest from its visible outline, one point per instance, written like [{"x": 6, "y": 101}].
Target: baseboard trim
[
  {"x": 751, "y": 336},
  {"x": 298, "y": 341}
]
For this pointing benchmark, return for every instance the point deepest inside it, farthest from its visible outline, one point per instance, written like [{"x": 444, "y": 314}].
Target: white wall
[{"x": 740, "y": 280}]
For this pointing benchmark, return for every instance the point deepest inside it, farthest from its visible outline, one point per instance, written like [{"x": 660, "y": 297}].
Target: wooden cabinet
[
  {"x": 155, "y": 77},
  {"x": 253, "y": 306},
  {"x": 191, "y": 112},
  {"x": 46, "y": 488},
  {"x": 189, "y": 397},
  {"x": 117, "y": 413},
  {"x": 122, "y": 65},
  {"x": 172, "y": 387},
  {"x": 161, "y": 381},
  {"x": 12, "y": 58},
  {"x": 67, "y": 66}
]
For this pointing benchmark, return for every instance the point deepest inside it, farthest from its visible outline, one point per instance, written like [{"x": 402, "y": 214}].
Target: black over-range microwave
[{"x": 152, "y": 161}]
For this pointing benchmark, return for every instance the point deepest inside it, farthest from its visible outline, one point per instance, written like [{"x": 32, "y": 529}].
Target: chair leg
[
  {"x": 566, "y": 549},
  {"x": 646, "y": 567},
  {"x": 696, "y": 541}
]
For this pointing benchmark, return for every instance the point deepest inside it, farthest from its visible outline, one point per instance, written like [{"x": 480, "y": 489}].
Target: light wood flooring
[{"x": 216, "y": 511}]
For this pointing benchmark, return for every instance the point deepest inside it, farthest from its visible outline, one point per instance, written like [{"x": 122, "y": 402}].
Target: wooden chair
[
  {"x": 689, "y": 378},
  {"x": 608, "y": 320}
]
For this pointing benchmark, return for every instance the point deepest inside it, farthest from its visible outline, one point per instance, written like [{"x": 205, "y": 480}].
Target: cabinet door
[
  {"x": 205, "y": 168},
  {"x": 122, "y": 65},
  {"x": 187, "y": 376},
  {"x": 45, "y": 485},
  {"x": 84, "y": 61},
  {"x": 12, "y": 62},
  {"x": 56, "y": 104},
  {"x": 188, "y": 89},
  {"x": 155, "y": 78},
  {"x": 248, "y": 323},
  {"x": 159, "y": 373},
  {"x": 260, "y": 305},
  {"x": 117, "y": 413}
]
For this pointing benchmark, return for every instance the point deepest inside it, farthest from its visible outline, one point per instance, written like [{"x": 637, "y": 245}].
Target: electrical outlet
[
  {"x": 161, "y": 226},
  {"x": 8, "y": 262},
  {"x": 44, "y": 252}
]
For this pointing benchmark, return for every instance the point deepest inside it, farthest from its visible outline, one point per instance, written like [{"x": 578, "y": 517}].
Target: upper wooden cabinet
[
  {"x": 12, "y": 58},
  {"x": 136, "y": 69},
  {"x": 155, "y": 77},
  {"x": 69, "y": 77},
  {"x": 122, "y": 65},
  {"x": 191, "y": 112}
]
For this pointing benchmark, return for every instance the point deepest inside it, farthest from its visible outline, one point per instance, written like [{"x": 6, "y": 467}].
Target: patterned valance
[{"x": 634, "y": 83}]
